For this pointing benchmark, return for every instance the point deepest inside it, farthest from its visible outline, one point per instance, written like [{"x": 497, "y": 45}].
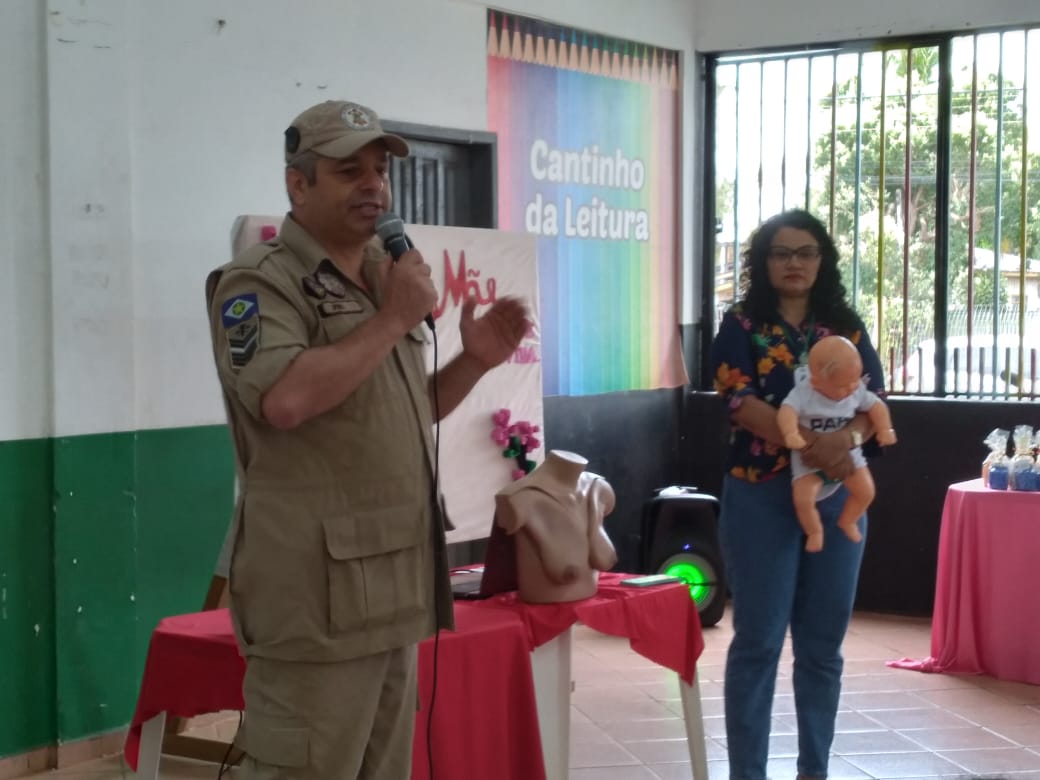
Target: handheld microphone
[{"x": 390, "y": 228}]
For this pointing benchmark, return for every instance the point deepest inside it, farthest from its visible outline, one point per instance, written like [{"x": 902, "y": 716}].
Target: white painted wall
[
  {"x": 724, "y": 25},
  {"x": 160, "y": 122},
  {"x": 91, "y": 210},
  {"x": 135, "y": 130},
  {"x": 25, "y": 309}
]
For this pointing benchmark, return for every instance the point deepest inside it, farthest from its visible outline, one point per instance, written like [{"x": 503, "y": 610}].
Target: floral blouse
[{"x": 759, "y": 359}]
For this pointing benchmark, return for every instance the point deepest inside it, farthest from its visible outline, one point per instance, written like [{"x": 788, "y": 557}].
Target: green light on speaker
[{"x": 693, "y": 576}]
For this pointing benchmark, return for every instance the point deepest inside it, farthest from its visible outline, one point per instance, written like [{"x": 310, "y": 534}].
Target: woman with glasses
[{"x": 792, "y": 296}]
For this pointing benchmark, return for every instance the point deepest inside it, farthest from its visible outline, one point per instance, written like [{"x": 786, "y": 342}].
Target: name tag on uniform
[{"x": 332, "y": 308}]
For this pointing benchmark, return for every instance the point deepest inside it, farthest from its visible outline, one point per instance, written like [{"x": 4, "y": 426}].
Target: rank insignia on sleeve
[
  {"x": 241, "y": 318},
  {"x": 242, "y": 341}
]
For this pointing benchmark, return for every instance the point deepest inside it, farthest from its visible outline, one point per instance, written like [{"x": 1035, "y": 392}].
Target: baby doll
[{"x": 826, "y": 400}]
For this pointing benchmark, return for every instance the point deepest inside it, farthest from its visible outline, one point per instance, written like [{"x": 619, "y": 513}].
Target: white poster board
[{"x": 487, "y": 264}]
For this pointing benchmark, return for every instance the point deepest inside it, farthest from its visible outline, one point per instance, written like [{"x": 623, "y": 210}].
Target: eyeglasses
[{"x": 806, "y": 254}]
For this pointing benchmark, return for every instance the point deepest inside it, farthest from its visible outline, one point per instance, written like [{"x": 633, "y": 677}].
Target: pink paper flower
[
  {"x": 517, "y": 440},
  {"x": 500, "y": 433}
]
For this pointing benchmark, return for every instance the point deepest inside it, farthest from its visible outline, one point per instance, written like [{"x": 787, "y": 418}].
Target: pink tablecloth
[{"x": 987, "y": 608}]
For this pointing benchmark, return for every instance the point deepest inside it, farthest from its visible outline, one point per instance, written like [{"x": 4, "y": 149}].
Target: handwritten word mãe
[
  {"x": 461, "y": 283},
  {"x": 524, "y": 355}
]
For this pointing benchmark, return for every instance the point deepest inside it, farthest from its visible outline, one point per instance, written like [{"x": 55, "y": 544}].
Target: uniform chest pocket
[
  {"x": 338, "y": 318},
  {"x": 340, "y": 321}
]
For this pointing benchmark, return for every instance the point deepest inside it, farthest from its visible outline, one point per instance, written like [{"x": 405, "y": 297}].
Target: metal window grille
[{"x": 918, "y": 156}]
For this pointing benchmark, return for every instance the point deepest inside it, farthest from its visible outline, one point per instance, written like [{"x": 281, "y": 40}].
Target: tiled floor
[{"x": 625, "y": 721}]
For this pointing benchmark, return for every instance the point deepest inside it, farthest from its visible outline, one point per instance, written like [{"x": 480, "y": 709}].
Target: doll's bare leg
[
  {"x": 804, "y": 490},
  {"x": 860, "y": 485}
]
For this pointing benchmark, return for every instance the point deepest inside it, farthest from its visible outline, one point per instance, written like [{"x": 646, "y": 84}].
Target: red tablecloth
[
  {"x": 987, "y": 613},
  {"x": 661, "y": 622},
  {"x": 485, "y": 720}
]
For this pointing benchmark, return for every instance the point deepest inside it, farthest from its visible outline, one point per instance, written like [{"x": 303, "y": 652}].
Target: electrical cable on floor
[{"x": 224, "y": 765}]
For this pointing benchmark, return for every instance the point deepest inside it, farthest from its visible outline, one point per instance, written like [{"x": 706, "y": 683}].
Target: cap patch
[{"x": 356, "y": 117}]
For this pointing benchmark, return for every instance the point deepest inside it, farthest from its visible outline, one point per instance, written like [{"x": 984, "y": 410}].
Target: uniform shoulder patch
[
  {"x": 241, "y": 318},
  {"x": 238, "y": 308}
]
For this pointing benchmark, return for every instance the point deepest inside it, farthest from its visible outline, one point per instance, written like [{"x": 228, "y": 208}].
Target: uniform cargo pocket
[
  {"x": 375, "y": 569},
  {"x": 372, "y": 532},
  {"x": 276, "y": 741}
]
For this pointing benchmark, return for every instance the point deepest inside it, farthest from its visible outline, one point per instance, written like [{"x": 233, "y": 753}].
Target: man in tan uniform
[{"x": 339, "y": 565}]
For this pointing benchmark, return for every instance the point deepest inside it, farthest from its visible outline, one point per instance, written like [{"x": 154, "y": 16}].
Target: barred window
[{"x": 918, "y": 157}]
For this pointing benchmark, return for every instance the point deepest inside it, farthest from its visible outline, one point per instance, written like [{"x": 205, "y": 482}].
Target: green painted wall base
[
  {"x": 27, "y": 685},
  {"x": 104, "y": 535}
]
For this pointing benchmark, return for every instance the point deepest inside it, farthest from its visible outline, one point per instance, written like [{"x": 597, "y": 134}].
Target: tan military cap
[{"x": 337, "y": 128}]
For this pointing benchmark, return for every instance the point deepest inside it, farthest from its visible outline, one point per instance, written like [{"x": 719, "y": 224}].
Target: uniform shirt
[
  {"x": 759, "y": 359},
  {"x": 340, "y": 548}
]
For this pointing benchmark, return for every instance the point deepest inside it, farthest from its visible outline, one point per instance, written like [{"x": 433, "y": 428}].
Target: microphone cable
[
  {"x": 390, "y": 228},
  {"x": 225, "y": 763},
  {"x": 437, "y": 518}
]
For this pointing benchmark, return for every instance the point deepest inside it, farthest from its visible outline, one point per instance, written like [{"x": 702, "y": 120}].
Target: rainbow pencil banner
[{"x": 588, "y": 160}]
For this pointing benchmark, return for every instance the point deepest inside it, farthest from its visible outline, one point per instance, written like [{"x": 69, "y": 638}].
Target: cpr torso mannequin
[{"x": 556, "y": 515}]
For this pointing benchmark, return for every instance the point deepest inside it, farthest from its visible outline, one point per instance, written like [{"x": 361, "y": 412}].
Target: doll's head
[{"x": 835, "y": 367}]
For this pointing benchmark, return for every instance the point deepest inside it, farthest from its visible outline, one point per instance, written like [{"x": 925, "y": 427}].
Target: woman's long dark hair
[{"x": 827, "y": 297}]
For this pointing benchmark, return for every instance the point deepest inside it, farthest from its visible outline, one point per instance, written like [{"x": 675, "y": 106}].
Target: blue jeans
[{"x": 775, "y": 583}]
